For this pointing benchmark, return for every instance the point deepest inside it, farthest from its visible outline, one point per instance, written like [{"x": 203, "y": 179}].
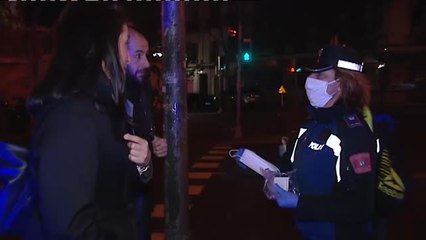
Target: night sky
[
  {"x": 300, "y": 25},
  {"x": 291, "y": 26},
  {"x": 281, "y": 26}
]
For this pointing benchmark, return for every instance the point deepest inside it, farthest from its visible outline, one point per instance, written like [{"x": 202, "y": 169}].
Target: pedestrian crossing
[
  {"x": 199, "y": 174},
  {"x": 213, "y": 158},
  {"x": 203, "y": 165}
]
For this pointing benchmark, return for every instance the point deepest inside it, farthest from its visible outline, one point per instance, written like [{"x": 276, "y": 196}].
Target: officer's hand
[
  {"x": 159, "y": 146},
  {"x": 268, "y": 174},
  {"x": 269, "y": 186},
  {"x": 282, "y": 148},
  {"x": 284, "y": 198},
  {"x": 139, "y": 150}
]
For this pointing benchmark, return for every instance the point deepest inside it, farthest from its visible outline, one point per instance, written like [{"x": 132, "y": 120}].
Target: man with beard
[{"x": 139, "y": 108}]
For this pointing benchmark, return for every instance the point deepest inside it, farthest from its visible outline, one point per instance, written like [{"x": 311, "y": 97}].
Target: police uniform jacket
[{"x": 334, "y": 158}]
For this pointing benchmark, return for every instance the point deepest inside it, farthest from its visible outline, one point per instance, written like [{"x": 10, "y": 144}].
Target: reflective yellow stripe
[{"x": 368, "y": 117}]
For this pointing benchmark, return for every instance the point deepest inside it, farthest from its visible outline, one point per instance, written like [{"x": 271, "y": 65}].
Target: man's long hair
[{"x": 87, "y": 36}]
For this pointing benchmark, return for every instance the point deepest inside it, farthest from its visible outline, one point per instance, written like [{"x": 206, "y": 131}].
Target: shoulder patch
[
  {"x": 352, "y": 120},
  {"x": 361, "y": 162}
]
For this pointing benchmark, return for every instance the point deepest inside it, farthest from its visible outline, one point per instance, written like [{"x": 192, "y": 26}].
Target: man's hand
[
  {"x": 139, "y": 150},
  {"x": 159, "y": 146}
]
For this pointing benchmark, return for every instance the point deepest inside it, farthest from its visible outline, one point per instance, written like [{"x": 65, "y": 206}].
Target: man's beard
[{"x": 143, "y": 81}]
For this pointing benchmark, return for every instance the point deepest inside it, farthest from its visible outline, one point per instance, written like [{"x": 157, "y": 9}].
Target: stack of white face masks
[
  {"x": 252, "y": 160},
  {"x": 258, "y": 164}
]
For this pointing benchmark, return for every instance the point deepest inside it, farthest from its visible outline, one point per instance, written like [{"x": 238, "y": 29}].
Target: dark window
[
  {"x": 213, "y": 51},
  {"x": 192, "y": 53}
]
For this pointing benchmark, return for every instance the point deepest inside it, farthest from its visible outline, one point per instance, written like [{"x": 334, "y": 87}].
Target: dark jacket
[
  {"x": 139, "y": 110},
  {"x": 335, "y": 161},
  {"x": 84, "y": 182},
  {"x": 138, "y": 107},
  {"x": 141, "y": 98}
]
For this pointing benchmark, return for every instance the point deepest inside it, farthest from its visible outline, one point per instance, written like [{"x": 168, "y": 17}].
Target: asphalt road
[
  {"x": 227, "y": 202},
  {"x": 232, "y": 204}
]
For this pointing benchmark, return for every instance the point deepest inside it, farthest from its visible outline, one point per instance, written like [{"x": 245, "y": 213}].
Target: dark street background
[{"x": 225, "y": 201}]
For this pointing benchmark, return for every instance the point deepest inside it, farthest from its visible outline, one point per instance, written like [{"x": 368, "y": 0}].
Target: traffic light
[
  {"x": 246, "y": 50},
  {"x": 231, "y": 32},
  {"x": 293, "y": 70},
  {"x": 246, "y": 56}
]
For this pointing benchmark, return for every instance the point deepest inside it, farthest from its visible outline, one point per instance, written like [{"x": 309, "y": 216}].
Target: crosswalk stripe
[
  {"x": 225, "y": 152},
  {"x": 213, "y": 158},
  {"x": 222, "y": 147},
  {"x": 205, "y": 165},
  {"x": 158, "y": 211},
  {"x": 200, "y": 175},
  {"x": 195, "y": 190},
  {"x": 158, "y": 236},
  {"x": 221, "y": 153}
]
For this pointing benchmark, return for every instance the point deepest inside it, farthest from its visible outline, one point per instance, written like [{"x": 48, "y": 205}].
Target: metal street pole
[
  {"x": 238, "y": 132},
  {"x": 175, "y": 171}
]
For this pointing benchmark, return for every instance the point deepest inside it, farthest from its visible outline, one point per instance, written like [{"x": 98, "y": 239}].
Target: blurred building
[
  {"x": 211, "y": 47},
  {"x": 25, "y": 52},
  {"x": 396, "y": 35}
]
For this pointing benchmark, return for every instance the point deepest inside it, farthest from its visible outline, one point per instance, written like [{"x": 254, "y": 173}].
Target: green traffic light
[
  {"x": 246, "y": 56},
  {"x": 299, "y": 70}
]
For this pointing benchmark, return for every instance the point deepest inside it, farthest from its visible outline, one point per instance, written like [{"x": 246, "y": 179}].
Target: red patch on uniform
[{"x": 361, "y": 162}]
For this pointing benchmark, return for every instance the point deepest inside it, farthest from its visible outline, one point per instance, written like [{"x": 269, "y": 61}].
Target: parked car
[
  {"x": 251, "y": 97},
  {"x": 202, "y": 103}
]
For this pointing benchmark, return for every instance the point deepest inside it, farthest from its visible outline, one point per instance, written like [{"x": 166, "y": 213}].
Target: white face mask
[
  {"x": 316, "y": 90},
  {"x": 252, "y": 160}
]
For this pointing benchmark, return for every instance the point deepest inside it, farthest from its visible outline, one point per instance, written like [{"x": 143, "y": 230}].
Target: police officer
[{"x": 334, "y": 154}]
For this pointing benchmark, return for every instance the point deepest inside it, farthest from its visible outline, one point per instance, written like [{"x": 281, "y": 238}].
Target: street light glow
[{"x": 157, "y": 54}]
